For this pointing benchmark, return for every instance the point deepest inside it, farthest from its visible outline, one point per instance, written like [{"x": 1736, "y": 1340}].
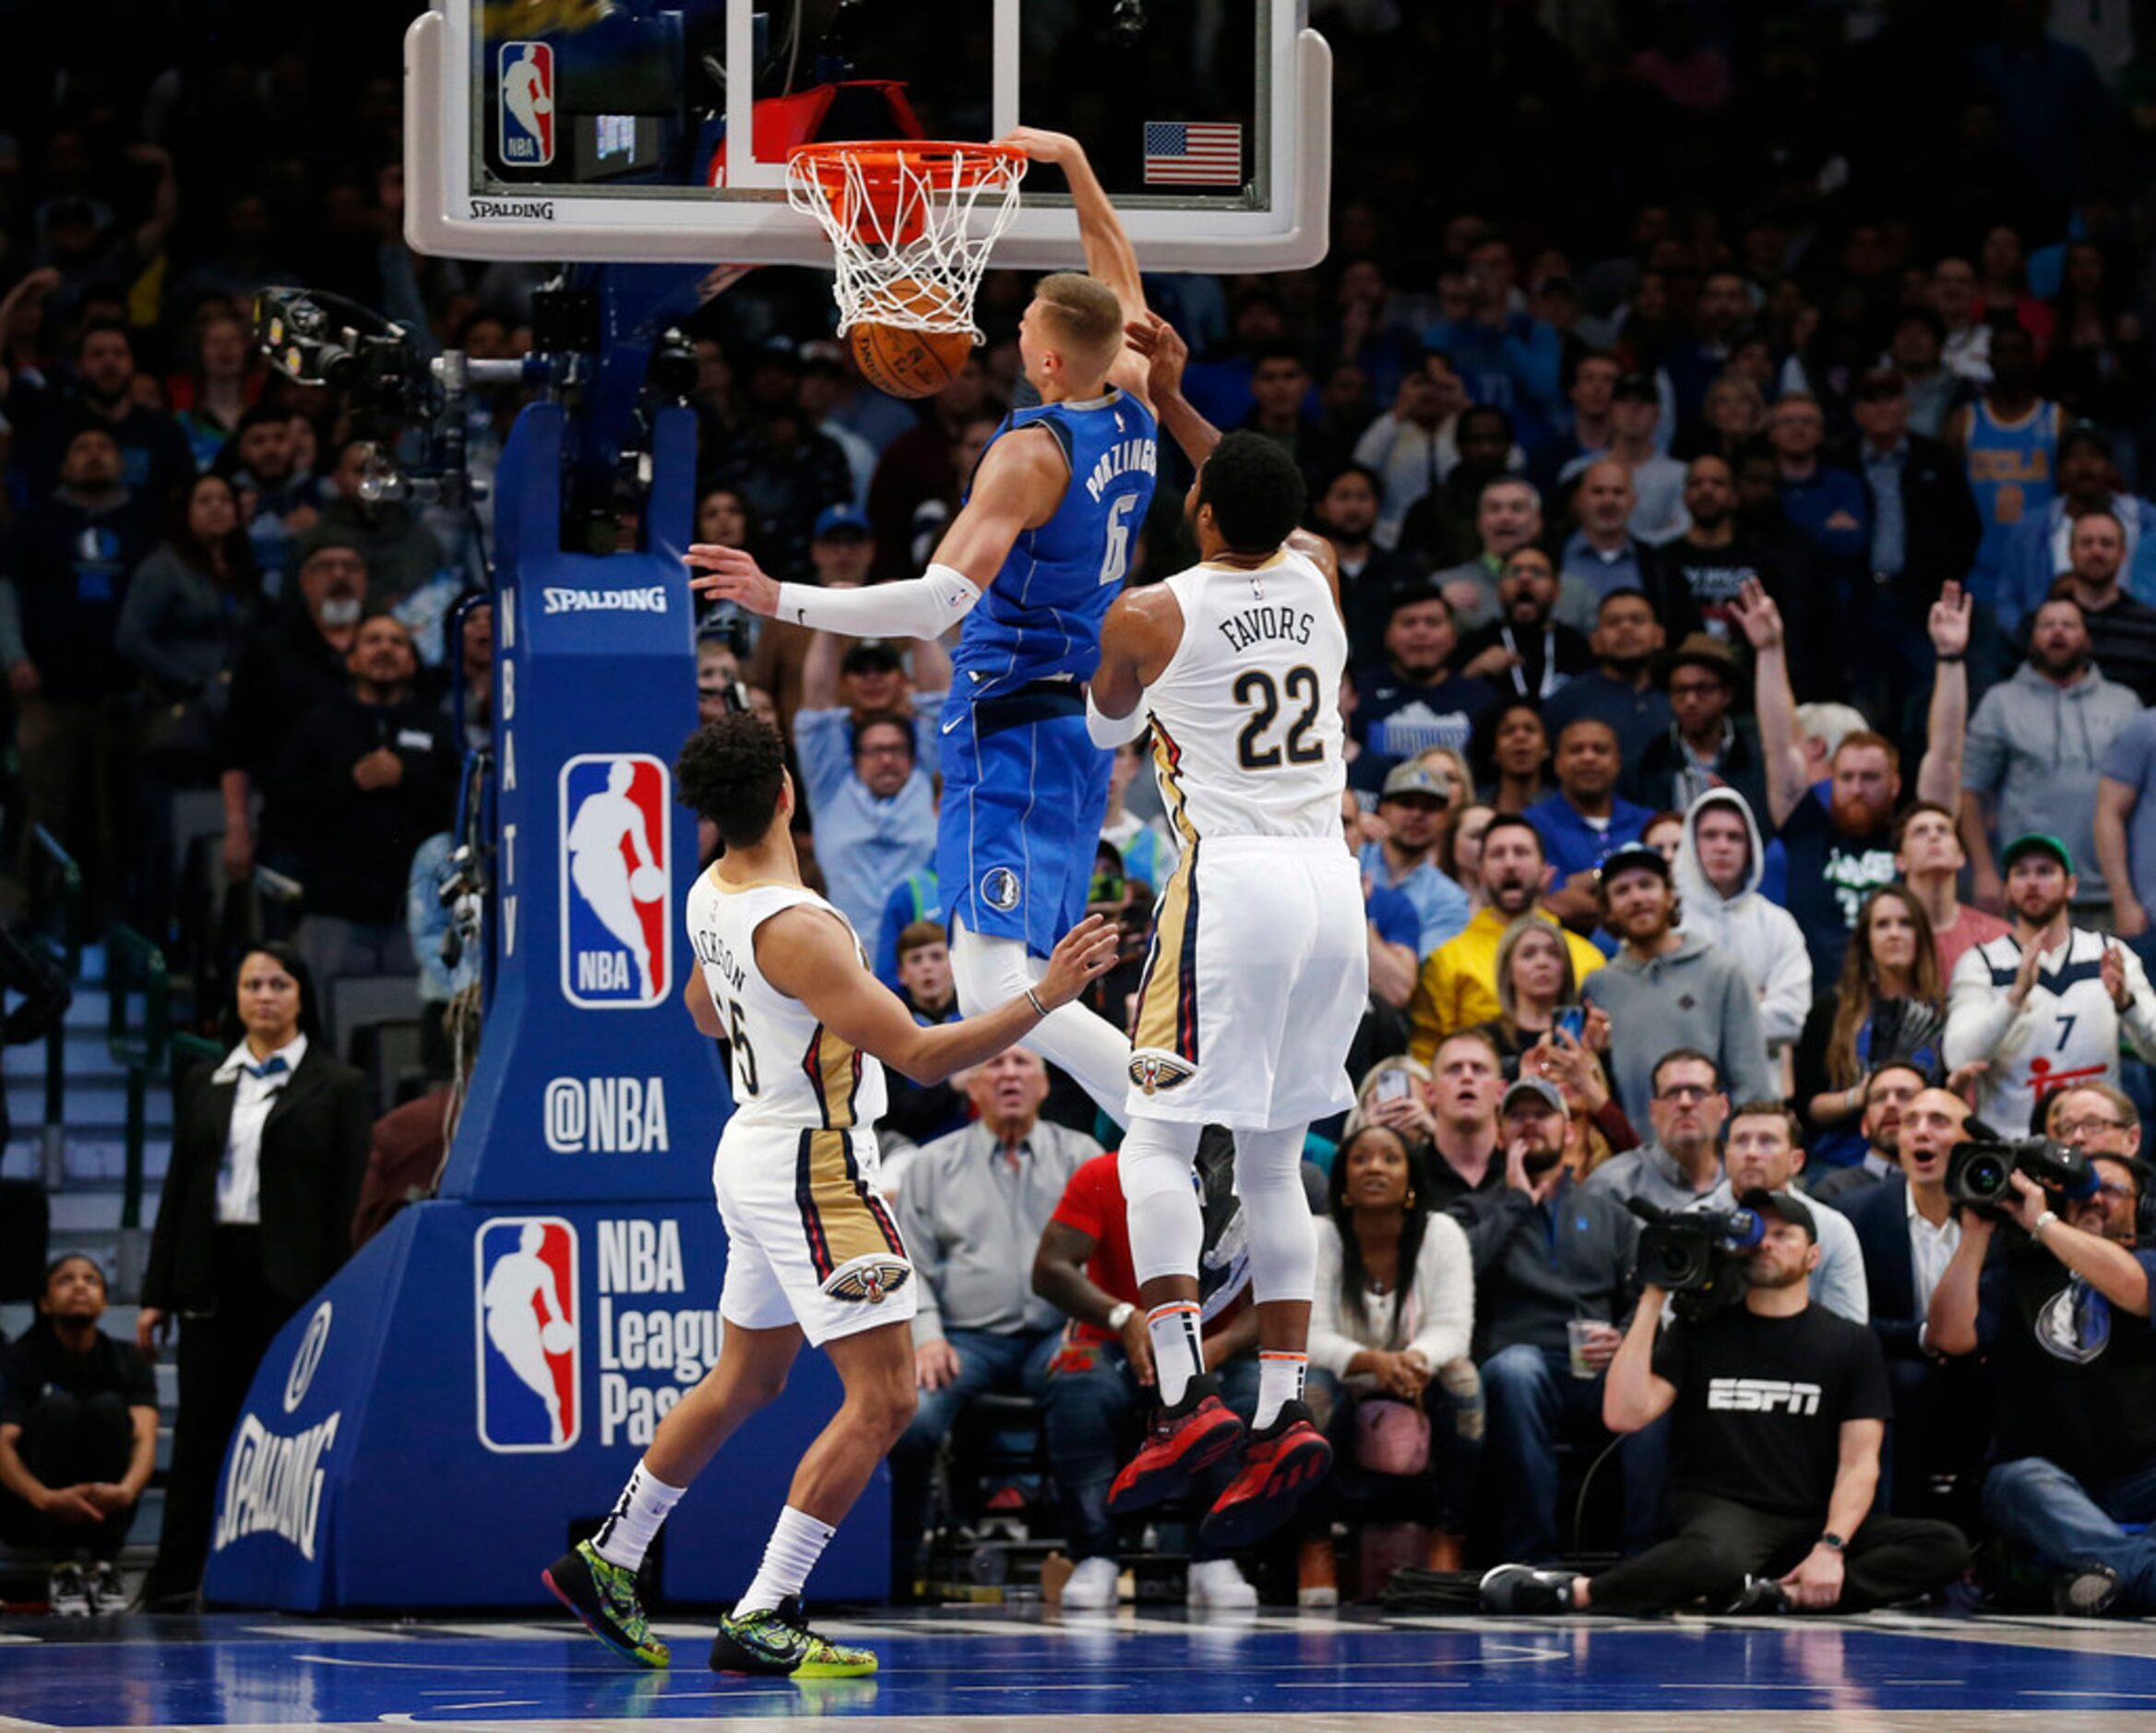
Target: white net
[{"x": 912, "y": 226}]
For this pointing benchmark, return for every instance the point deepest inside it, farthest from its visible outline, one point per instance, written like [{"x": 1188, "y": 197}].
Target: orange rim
[{"x": 880, "y": 160}]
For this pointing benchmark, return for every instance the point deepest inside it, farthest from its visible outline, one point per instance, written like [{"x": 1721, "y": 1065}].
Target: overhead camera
[{"x": 1980, "y": 1171}]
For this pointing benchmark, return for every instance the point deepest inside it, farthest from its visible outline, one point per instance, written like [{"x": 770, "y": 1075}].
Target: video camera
[
  {"x": 1697, "y": 1254},
  {"x": 1980, "y": 1171}
]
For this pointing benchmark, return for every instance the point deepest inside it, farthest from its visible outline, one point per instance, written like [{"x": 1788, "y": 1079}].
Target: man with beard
[
  {"x": 154, "y": 455},
  {"x": 2036, "y": 751},
  {"x": 1702, "y": 572},
  {"x": 1840, "y": 848},
  {"x": 1929, "y": 856},
  {"x": 1662, "y": 991},
  {"x": 1770, "y": 1501},
  {"x": 1619, "y": 689},
  {"x": 1547, "y": 1254},
  {"x": 1458, "y": 987},
  {"x": 2044, "y": 1007},
  {"x": 1402, "y": 855},
  {"x": 1584, "y": 820},
  {"x": 1414, "y": 700},
  {"x": 1445, "y": 527},
  {"x": 2063, "y": 1316},
  {"x": 2040, "y": 546},
  {"x": 1509, "y": 517},
  {"x": 1708, "y": 743},
  {"x": 1525, "y": 647},
  {"x": 1346, "y": 513},
  {"x": 2122, "y": 629},
  {"x": 1887, "y": 1092}
]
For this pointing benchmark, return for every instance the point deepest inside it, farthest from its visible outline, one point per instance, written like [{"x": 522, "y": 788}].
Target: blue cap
[{"x": 832, "y": 519}]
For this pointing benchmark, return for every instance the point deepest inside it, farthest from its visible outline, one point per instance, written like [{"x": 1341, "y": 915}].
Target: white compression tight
[
  {"x": 1167, "y": 1230},
  {"x": 987, "y": 971}
]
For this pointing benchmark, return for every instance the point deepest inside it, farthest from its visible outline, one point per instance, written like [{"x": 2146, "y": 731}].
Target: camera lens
[{"x": 1986, "y": 1177}]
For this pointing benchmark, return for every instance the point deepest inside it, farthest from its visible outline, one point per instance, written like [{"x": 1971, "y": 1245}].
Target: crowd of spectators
[{"x": 1731, "y": 431}]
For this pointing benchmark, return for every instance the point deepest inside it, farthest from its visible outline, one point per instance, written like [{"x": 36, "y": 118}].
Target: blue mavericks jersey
[{"x": 1041, "y": 618}]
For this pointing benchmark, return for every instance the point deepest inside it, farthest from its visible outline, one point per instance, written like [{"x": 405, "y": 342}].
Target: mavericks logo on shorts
[
  {"x": 874, "y": 1277},
  {"x": 1153, "y": 1071},
  {"x": 617, "y": 940},
  {"x": 528, "y": 1315},
  {"x": 999, "y": 889}
]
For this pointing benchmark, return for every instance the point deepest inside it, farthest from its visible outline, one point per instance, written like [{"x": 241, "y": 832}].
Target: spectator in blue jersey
[
  {"x": 1584, "y": 820},
  {"x": 1620, "y": 690},
  {"x": 916, "y": 898},
  {"x": 2009, "y": 439},
  {"x": 1400, "y": 851},
  {"x": 2037, "y": 550},
  {"x": 1414, "y": 698}
]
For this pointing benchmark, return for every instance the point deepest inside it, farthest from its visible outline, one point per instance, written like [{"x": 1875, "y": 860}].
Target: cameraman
[
  {"x": 1779, "y": 1406},
  {"x": 2062, "y": 1315}
]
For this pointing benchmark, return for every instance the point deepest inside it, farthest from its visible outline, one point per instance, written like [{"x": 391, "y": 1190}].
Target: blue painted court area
[{"x": 940, "y": 1666}]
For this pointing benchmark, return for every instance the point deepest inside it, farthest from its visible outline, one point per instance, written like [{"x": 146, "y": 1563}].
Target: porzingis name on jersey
[
  {"x": 1119, "y": 458},
  {"x": 1266, "y": 624}
]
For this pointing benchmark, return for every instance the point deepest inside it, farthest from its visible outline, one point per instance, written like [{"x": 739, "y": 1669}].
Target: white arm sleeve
[
  {"x": 1109, "y": 732},
  {"x": 927, "y": 606}
]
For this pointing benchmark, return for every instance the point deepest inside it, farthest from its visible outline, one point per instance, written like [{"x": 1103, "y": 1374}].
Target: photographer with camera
[
  {"x": 1778, "y": 1410},
  {"x": 2059, "y": 1302}
]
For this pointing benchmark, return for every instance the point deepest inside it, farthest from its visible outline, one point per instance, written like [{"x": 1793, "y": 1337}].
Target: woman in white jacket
[
  {"x": 1391, "y": 1321},
  {"x": 1718, "y": 871}
]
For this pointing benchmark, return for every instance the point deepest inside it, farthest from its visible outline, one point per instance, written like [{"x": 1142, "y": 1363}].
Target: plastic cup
[{"x": 1577, "y": 1333}]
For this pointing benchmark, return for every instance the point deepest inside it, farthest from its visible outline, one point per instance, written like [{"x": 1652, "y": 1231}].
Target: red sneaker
[
  {"x": 1190, "y": 1437},
  {"x": 1280, "y": 1464}
]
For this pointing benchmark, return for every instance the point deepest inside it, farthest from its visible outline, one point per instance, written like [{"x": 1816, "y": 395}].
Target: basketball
[
  {"x": 906, "y": 363},
  {"x": 647, "y": 884},
  {"x": 558, "y": 1337}
]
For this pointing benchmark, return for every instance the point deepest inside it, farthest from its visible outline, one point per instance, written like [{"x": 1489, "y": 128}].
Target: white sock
[
  {"x": 797, "y": 1542},
  {"x": 1280, "y": 1381},
  {"x": 645, "y": 1502},
  {"x": 1177, "y": 1358}
]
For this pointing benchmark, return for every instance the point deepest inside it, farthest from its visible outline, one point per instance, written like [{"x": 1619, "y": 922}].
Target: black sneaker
[
  {"x": 1521, "y": 1588},
  {"x": 2087, "y": 1591},
  {"x": 604, "y": 1595},
  {"x": 778, "y": 1641},
  {"x": 1760, "y": 1595}
]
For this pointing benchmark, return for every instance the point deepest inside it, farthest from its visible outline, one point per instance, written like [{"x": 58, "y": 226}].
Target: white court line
[
  {"x": 1372, "y": 1684},
  {"x": 2131, "y": 1696},
  {"x": 505, "y": 1633},
  {"x": 507, "y": 1702},
  {"x": 327, "y": 1633},
  {"x": 1020, "y": 1690}
]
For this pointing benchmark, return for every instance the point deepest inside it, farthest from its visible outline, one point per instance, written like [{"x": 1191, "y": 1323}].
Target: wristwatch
[
  {"x": 1120, "y": 1315},
  {"x": 1833, "y": 1542}
]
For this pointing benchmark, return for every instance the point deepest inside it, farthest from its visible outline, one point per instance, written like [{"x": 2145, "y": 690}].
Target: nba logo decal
[
  {"x": 529, "y": 1324},
  {"x": 617, "y": 944},
  {"x": 527, "y": 104}
]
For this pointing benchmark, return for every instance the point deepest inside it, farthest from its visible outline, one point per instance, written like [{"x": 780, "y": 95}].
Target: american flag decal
[{"x": 1194, "y": 153}]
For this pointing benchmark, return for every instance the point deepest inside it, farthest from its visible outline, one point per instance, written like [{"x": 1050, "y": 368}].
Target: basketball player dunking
[
  {"x": 812, "y": 1253},
  {"x": 1257, "y": 975},
  {"x": 1030, "y": 564}
]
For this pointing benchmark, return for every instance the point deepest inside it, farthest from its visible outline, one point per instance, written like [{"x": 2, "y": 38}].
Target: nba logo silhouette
[
  {"x": 528, "y": 1319},
  {"x": 616, "y": 942},
  {"x": 527, "y": 104}
]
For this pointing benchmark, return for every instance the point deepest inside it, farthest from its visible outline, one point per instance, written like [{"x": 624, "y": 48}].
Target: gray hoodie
[
  {"x": 1694, "y": 996},
  {"x": 1761, "y": 936},
  {"x": 2036, "y": 749}
]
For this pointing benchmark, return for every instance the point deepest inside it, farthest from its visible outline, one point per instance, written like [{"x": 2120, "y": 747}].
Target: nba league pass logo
[
  {"x": 531, "y": 1357},
  {"x": 616, "y": 942},
  {"x": 527, "y": 104}
]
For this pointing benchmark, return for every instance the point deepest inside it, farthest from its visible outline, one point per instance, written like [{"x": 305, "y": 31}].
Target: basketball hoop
[{"x": 913, "y": 222}]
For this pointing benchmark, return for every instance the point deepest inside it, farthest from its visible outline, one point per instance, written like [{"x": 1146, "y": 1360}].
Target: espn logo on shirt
[
  {"x": 617, "y": 945},
  {"x": 1761, "y": 1396},
  {"x": 526, "y": 76},
  {"x": 527, "y": 1316}
]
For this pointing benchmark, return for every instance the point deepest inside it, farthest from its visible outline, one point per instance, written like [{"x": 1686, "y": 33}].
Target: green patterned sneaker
[
  {"x": 604, "y": 1596},
  {"x": 780, "y": 1641}
]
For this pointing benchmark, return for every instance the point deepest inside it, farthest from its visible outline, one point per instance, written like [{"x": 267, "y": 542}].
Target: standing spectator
[
  {"x": 1684, "y": 1162},
  {"x": 77, "y": 1439},
  {"x": 1888, "y": 1005},
  {"x": 365, "y": 779},
  {"x": 280, "y": 500},
  {"x": 1704, "y": 570},
  {"x": 1663, "y": 990},
  {"x": 971, "y": 1210},
  {"x": 1916, "y": 351},
  {"x": 257, "y": 1215},
  {"x": 1594, "y": 380},
  {"x": 1603, "y": 553},
  {"x": 1717, "y": 876},
  {"x": 1584, "y": 820},
  {"x": 2009, "y": 439},
  {"x": 1403, "y": 857},
  {"x": 2036, "y": 748},
  {"x": 402, "y": 552},
  {"x": 1526, "y": 647},
  {"x": 1504, "y": 357},
  {"x": 2124, "y": 830},
  {"x": 1825, "y": 503},
  {"x": 1928, "y": 855},
  {"x": 1658, "y": 479},
  {"x": 74, "y": 553},
  {"x": 2122, "y": 629},
  {"x": 823, "y": 385},
  {"x": 1410, "y": 446},
  {"x": 1719, "y": 317},
  {"x": 1414, "y": 698},
  {"x": 208, "y": 400},
  {"x": 1708, "y": 743},
  {"x": 782, "y": 467},
  {"x": 1548, "y": 1256},
  {"x": 154, "y": 455},
  {"x": 1620, "y": 689},
  {"x": 919, "y": 465},
  {"x": 2040, "y": 548},
  {"x": 1887, "y": 1092},
  {"x": 1345, "y": 510},
  {"x": 1841, "y": 847},
  {"x": 2045, "y": 1006}
]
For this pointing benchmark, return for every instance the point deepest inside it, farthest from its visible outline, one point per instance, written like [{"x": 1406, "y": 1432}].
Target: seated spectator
[
  {"x": 1663, "y": 990},
  {"x": 1658, "y": 480},
  {"x": 1098, "y": 1389},
  {"x": 1396, "y": 931},
  {"x": 1412, "y": 447},
  {"x": 1460, "y": 983},
  {"x": 1518, "y": 756},
  {"x": 210, "y": 398},
  {"x": 1683, "y": 1165},
  {"x": 1460, "y": 853},
  {"x": 1536, "y": 987},
  {"x": 1548, "y": 1255},
  {"x": 922, "y": 1112},
  {"x": 1929, "y": 856},
  {"x": 1595, "y": 377},
  {"x": 1709, "y": 743},
  {"x": 1603, "y": 552},
  {"x": 1732, "y": 415},
  {"x": 154, "y": 455},
  {"x": 365, "y": 779},
  {"x": 1771, "y": 1509},
  {"x": 1703, "y": 571},
  {"x": 1390, "y": 1325},
  {"x": 1664, "y": 833},
  {"x": 971, "y": 1208},
  {"x": 1448, "y": 1113},
  {"x": 1414, "y": 698},
  {"x": 1717, "y": 875},
  {"x": 2063, "y": 1317},
  {"x": 1888, "y": 1090},
  {"x": 1889, "y": 1005},
  {"x": 1525, "y": 649},
  {"x": 1344, "y": 512},
  {"x": 1509, "y": 517},
  {"x": 1585, "y": 822},
  {"x": 2045, "y": 1005},
  {"x": 1445, "y": 529},
  {"x": 2118, "y": 566},
  {"x": 1410, "y": 816},
  {"x": 1760, "y": 1152},
  {"x": 1825, "y": 502},
  {"x": 77, "y": 1440},
  {"x": 1620, "y": 689}
]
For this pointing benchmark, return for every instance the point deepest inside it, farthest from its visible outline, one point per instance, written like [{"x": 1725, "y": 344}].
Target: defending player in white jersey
[
  {"x": 1257, "y": 975},
  {"x": 812, "y": 1251}
]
